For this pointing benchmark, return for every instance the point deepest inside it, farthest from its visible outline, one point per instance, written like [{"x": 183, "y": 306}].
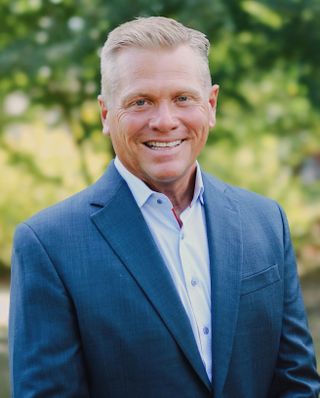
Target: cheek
[
  {"x": 131, "y": 124},
  {"x": 125, "y": 136},
  {"x": 197, "y": 121}
]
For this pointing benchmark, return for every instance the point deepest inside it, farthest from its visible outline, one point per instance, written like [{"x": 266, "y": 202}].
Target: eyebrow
[
  {"x": 179, "y": 91},
  {"x": 137, "y": 94}
]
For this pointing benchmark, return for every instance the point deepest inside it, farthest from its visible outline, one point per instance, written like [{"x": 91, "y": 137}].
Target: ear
[
  {"x": 213, "y": 99},
  {"x": 103, "y": 115}
]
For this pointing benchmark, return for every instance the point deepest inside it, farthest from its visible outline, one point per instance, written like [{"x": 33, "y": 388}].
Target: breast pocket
[{"x": 260, "y": 280}]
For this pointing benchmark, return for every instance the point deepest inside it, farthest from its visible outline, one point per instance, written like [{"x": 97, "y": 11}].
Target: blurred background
[{"x": 265, "y": 57}]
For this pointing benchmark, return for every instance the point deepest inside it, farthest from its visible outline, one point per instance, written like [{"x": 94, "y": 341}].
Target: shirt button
[
  {"x": 194, "y": 282},
  {"x": 182, "y": 236},
  {"x": 205, "y": 330},
  {"x": 159, "y": 201}
]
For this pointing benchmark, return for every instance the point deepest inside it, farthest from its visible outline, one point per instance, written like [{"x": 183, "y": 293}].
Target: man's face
[{"x": 160, "y": 114}]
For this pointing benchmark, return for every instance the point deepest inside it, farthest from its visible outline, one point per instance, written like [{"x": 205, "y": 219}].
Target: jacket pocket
[{"x": 260, "y": 280}]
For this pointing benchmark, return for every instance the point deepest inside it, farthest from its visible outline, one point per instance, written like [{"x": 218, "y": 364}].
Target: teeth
[{"x": 158, "y": 144}]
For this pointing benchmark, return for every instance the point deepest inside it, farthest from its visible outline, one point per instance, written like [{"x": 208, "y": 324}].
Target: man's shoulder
[
  {"x": 56, "y": 217},
  {"x": 77, "y": 207},
  {"x": 244, "y": 198}
]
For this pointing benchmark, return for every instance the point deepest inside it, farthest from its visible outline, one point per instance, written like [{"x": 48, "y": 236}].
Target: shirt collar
[
  {"x": 198, "y": 187},
  {"x": 141, "y": 192}
]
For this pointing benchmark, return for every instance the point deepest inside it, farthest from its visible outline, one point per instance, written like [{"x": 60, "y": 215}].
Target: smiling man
[
  {"x": 160, "y": 115},
  {"x": 158, "y": 280}
]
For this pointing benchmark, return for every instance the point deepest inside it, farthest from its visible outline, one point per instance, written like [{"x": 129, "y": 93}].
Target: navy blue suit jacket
[{"x": 94, "y": 312}]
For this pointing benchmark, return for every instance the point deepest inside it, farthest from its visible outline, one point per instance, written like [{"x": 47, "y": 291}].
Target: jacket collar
[{"x": 225, "y": 251}]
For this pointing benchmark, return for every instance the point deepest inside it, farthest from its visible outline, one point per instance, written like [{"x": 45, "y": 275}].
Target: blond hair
[{"x": 150, "y": 33}]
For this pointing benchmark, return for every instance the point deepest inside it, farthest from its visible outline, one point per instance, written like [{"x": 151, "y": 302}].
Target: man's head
[
  {"x": 157, "y": 103},
  {"x": 152, "y": 33}
]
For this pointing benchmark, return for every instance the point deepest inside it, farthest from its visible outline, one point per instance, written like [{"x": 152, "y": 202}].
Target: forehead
[{"x": 133, "y": 64}]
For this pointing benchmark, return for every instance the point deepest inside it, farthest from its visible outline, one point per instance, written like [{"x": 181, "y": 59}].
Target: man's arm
[
  {"x": 45, "y": 351},
  {"x": 295, "y": 373}
]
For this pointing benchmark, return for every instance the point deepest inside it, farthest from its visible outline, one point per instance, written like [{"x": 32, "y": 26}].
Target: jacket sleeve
[
  {"x": 45, "y": 353},
  {"x": 295, "y": 373}
]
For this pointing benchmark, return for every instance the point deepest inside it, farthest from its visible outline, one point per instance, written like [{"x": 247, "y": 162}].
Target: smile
[{"x": 161, "y": 144}]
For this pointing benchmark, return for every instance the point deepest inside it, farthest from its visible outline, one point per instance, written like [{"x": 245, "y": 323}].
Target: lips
[{"x": 162, "y": 144}]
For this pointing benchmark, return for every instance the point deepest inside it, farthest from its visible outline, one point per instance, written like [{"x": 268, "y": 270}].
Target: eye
[
  {"x": 182, "y": 98},
  {"x": 140, "y": 102}
]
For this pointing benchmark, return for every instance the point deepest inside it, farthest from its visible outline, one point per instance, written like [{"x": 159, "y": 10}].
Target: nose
[{"x": 163, "y": 119}]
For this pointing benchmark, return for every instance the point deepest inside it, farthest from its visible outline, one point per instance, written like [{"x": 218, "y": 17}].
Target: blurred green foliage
[{"x": 265, "y": 56}]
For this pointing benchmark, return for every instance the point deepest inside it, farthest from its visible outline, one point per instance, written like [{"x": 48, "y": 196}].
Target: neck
[{"x": 180, "y": 193}]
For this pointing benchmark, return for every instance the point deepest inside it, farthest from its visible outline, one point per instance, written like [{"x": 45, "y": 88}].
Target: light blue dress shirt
[{"x": 184, "y": 250}]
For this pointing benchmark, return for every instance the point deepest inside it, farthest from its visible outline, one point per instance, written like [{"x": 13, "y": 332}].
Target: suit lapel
[
  {"x": 121, "y": 223},
  {"x": 225, "y": 249}
]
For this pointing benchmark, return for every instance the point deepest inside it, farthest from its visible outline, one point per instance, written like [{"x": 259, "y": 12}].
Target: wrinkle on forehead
[{"x": 136, "y": 67}]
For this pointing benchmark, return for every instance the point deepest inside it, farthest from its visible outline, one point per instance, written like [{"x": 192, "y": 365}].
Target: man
[{"x": 158, "y": 280}]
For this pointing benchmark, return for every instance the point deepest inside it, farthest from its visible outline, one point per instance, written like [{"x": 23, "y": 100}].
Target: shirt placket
[{"x": 195, "y": 289}]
